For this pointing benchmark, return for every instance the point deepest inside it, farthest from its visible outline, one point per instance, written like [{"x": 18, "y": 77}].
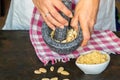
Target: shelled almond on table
[{"x": 60, "y": 70}]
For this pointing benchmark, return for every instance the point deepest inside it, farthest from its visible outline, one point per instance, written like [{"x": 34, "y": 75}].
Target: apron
[
  {"x": 20, "y": 14},
  {"x": 106, "y": 15}
]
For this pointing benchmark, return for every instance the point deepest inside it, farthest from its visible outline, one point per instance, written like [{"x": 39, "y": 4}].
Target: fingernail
[
  {"x": 82, "y": 45},
  {"x": 66, "y": 24},
  {"x": 53, "y": 29},
  {"x": 62, "y": 27},
  {"x": 71, "y": 15}
]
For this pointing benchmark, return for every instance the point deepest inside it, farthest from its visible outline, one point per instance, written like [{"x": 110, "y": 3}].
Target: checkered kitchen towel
[{"x": 100, "y": 40}]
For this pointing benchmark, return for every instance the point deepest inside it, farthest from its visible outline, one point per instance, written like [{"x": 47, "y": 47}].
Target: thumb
[{"x": 74, "y": 22}]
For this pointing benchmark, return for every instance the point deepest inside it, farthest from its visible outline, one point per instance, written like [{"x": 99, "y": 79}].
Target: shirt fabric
[{"x": 20, "y": 14}]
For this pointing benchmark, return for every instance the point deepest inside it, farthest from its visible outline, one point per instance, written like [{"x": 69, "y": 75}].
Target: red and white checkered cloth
[{"x": 100, "y": 40}]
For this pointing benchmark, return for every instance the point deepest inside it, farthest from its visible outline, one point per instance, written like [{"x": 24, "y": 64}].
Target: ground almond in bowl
[{"x": 94, "y": 57}]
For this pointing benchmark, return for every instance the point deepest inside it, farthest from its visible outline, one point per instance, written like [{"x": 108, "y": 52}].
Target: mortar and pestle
[{"x": 60, "y": 35}]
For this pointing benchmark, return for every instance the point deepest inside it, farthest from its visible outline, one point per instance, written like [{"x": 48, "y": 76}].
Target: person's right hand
[{"x": 49, "y": 11}]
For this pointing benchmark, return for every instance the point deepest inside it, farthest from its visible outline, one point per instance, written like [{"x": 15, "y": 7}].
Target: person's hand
[
  {"x": 49, "y": 11},
  {"x": 85, "y": 14}
]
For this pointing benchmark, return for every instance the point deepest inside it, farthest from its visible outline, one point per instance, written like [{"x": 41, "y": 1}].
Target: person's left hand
[{"x": 85, "y": 14}]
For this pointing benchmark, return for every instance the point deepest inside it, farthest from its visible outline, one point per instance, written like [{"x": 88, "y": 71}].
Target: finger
[
  {"x": 91, "y": 25},
  {"x": 53, "y": 21},
  {"x": 52, "y": 18},
  {"x": 86, "y": 37},
  {"x": 63, "y": 8},
  {"x": 86, "y": 33},
  {"x": 47, "y": 22},
  {"x": 91, "y": 30},
  {"x": 45, "y": 13},
  {"x": 57, "y": 15},
  {"x": 74, "y": 21},
  {"x": 76, "y": 28}
]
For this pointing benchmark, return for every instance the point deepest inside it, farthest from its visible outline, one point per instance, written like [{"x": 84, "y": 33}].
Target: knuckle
[
  {"x": 87, "y": 38},
  {"x": 62, "y": 7},
  {"x": 56, "y": 15},
  {"x": 62, "y": 20},
  {"x": 68, "y": 13}
]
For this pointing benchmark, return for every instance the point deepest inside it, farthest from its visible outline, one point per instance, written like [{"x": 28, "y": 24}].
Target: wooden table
[
  {"x": 2, "y": 7},
  {"x": 18, "y": 61}
]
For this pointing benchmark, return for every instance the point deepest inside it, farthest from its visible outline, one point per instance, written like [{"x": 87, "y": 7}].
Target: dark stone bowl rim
[{"x": 55, "y": 44}]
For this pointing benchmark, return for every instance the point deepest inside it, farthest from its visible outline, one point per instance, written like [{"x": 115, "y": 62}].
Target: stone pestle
[{"x": 61, "y": 33}]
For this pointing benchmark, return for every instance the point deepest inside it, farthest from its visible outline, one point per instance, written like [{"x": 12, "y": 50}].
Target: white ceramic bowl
[{"x": 93, "y": 68}]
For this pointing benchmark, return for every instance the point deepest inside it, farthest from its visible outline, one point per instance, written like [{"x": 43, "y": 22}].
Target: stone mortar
[{"x": 61, "y": 48}]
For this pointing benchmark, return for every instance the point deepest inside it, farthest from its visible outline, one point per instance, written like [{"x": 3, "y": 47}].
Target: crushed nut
[{"x": 71, "y": 35}]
